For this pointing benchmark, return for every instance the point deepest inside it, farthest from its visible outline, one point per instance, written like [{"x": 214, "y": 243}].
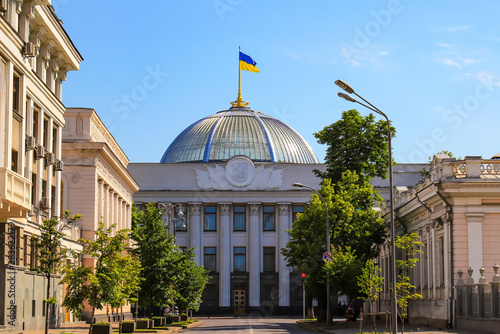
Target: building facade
[
  {"x": 96, "y": 184},
  {"x": 232, "y": 175},
  {"x": 455, "y": 212},
  {"x": 35, "y": 55}
]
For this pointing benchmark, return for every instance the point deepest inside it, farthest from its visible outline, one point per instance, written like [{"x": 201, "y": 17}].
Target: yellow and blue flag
[{"x": 247, "y": 63}]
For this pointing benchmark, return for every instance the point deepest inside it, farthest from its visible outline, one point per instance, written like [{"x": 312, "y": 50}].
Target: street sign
[{"x": 328, "y": 256}]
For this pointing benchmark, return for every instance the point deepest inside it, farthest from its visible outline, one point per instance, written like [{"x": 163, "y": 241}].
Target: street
[{"x": 244, "y": 325}]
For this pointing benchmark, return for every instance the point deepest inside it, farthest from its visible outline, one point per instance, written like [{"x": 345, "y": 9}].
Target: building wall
[
  {"x": 96, "y": 184},
  {"x": 35, "y": 55},
  {"x": 455, "y": 212},
  {"x": 198, "y": 186}
]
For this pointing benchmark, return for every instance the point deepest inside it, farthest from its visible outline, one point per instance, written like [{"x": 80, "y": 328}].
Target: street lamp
[
  {"x": 301, "y": 186},
  {"x": 345, "y": 86},
  {"x": 180, "y": 214}
]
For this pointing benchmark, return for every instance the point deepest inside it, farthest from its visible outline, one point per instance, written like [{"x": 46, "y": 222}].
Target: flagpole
[{"x": 239, "y": 103}]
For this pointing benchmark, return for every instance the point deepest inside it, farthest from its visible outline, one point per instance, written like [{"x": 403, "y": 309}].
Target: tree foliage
[
  {"x": 51, "y": 256},
  {"x": 156, "y": 250},
  {"x": 171, "y": 276},
  {"x": 113, "y": 278},
  {"x": 191, "y": 281},
  {"x": 409, "y": 245},
  {"x": 354, "y": 226},
  {"x": 355, "y": 143},
  {"x": 343, "y": 270},
  {"x": 370, "y": 284}
]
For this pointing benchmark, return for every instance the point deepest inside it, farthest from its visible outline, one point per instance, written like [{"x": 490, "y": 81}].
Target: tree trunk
[
  {"x": 47, "y": 306},
  {"x": 92, "y": 320}
]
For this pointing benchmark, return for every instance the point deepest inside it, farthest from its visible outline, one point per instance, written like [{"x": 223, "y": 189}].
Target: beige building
[
  {"x": 456, "y": 213},
  {"x": 96, "y": 183},
  {"x": 35, "y": 55}
]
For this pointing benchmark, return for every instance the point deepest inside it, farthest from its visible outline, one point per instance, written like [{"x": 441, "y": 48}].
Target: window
[
  {"x": 16, "y": 143},
  {"x": 35, "y": 123},
  {"x": 210, "y": 217},
  {"x": 210, "y": 293},
  {"x": 269, "y": 259},
  {"x": 269, "y": 292},
  {"x": 240, "y": 259},
  {"x": 34, "y": 182},
  {"x": 209, "y": 260},
  {"x": 239, "y": 215},
  {"x": 295, "y": 210},
  {"x": 269, "y": 217},
  {"x": 178, "y": 221},
  {"x": 15, "y": 94}
]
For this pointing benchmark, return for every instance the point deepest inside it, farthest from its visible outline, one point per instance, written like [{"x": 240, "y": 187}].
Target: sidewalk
[
  {"x": 81, "y": 328},
  {"x": 339, "y": 327}
]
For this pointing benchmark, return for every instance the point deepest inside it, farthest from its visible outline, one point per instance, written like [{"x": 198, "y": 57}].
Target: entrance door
[{"x": 239, "y": 299}]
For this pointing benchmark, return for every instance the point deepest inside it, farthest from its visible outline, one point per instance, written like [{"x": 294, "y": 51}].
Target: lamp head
[
  {"x": 298, "y": 185},
  {"x": 346, "y": 97},
  {"x": 345, "y": 86}
]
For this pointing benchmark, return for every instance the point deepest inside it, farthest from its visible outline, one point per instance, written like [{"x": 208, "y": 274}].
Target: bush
[{"x": 101, "y": 323}]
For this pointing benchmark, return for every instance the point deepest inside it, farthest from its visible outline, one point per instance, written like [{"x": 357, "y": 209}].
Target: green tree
[
  {"x": 354, "y": 223},
  {"x": 344, "y": 268},
  {"x": 156, "y": 251},
  {"x": 409, "y": 245},
  {"x": 51, "y": 256},
  {"x": 370, "y": 283},
  {"x": 191, "y": 281},
  {"x": 109, "y": 281},
  {"x": 355, "y": 143}
]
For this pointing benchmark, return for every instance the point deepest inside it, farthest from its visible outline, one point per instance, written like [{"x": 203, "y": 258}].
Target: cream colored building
[
  {"x": 35, "y": 55},
  {"x": 96, "y": 183},
  {"x": 456, "y": 213}
]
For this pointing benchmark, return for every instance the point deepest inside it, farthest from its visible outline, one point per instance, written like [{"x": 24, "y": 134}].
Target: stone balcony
[{"x": 15, "y": 194}]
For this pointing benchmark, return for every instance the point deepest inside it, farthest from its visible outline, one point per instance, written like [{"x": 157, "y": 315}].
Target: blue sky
[{"x": 152, "y": 68}]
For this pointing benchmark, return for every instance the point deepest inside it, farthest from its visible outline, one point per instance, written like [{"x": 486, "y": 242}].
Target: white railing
[{"x": 15, "y": 189}]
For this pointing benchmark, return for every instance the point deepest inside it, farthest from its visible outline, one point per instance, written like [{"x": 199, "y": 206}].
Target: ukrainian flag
[{"x": 247, "y": 63}]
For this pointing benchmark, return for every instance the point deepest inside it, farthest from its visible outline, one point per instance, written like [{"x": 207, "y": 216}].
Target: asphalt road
[{"x": 247, "y": 325}]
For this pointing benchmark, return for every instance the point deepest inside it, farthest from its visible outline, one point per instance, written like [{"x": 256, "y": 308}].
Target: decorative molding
[
  {"x": 254, "y": 209},
  {"x": 75, "y": 178},
  {"x": 284, "y": 209},
  {"x": 474, "y": 217},
  {"x": 239, "y": 174},
  {"x": 225, "y": 209},
  {"x": 112, "y": 179},
  {"x": 195, "y": 209}
]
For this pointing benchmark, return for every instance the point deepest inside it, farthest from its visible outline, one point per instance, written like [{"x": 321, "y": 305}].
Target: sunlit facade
[{"x": 35, "y": 56}]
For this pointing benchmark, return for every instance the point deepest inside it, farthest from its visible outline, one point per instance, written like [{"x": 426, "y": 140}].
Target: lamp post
[
  {"x": 301, "y": 186},
  {"x": 170, "y": 208},
  {"x": 345, "y": 86}
]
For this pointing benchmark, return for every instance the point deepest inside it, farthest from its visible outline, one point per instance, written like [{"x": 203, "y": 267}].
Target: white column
[
  {"x": 433, "y": 261},
  {"x": 254, "y": 258},
  {"x": 475, "y": 242},
  {"x": 284, "y": 270},
  {"x": 225, "y": 252},
  {"x": 100, "y": 209},
  {"x": 446, "y": 256},
  {"x": 428, "y": 264},
  {"x": 194, "y": 229},
  {"x": 58, "y": 151}
]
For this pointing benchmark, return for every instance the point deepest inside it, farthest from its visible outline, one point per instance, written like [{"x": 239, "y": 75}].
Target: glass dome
[{"x": 239, "y": 131}]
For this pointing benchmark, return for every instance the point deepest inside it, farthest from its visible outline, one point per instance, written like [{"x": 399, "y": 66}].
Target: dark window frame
[
  {"x": 268, "y": 214},
  {"x": 267, "y": 257},
  {"x": 244, "y": 254},
  {"x": 214, "y": 256},
  {"x": 240, "y": 214},
  {"x": 209, "y": 214}
]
